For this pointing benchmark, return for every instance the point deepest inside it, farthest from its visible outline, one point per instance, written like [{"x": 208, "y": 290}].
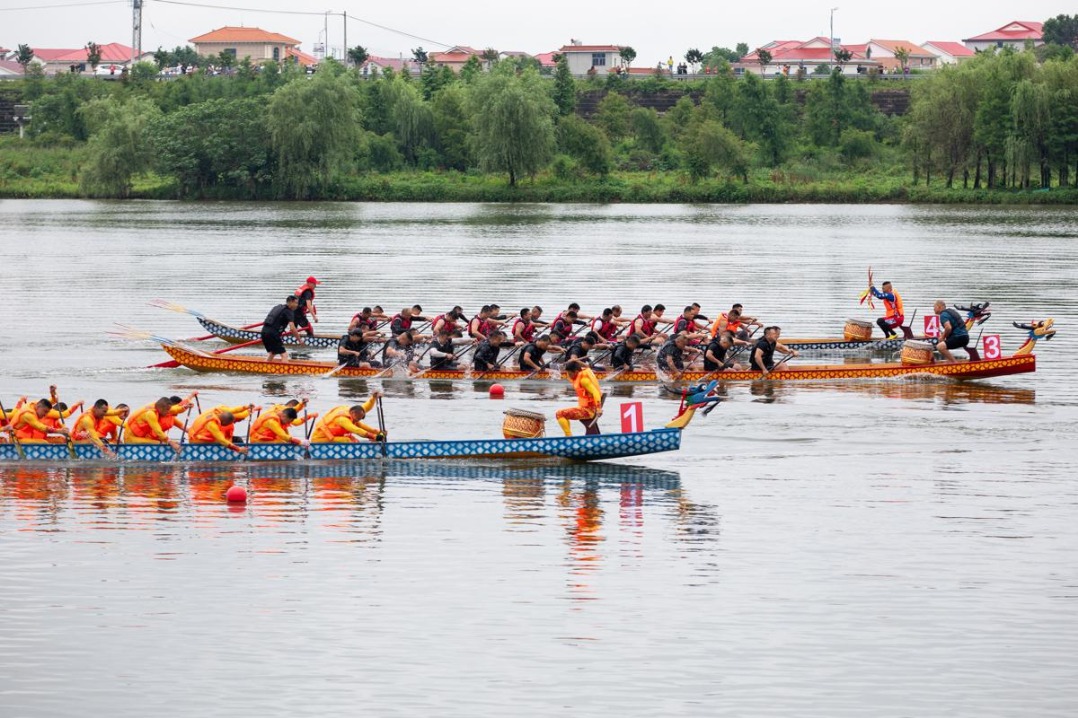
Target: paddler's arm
[
  {"x": 90, "y": 427},
  {"x": 360, "y": 428},
  {"x": 155, "y": 427},
  {"x": 220, "y": 438},
  {"x": 239, "y": 413},
  {"x": 274, "y": 425},
  {"x": 36, "y": 424},
  {"x": 592, "y": 387}
]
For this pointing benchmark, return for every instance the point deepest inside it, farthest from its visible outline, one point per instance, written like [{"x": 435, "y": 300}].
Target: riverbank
[{"x": 34, "y": 172}]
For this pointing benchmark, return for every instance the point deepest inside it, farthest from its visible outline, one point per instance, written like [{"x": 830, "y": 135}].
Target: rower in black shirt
[
  {"x": 531, "y": 356},
  {"x": 580, "y": 347},
  {"x": 486, "y": 354},
  {"x": 622, "y": 358},
  {"x": 716, "y": 352},
  {"x": 279, "y": 320},
  {"x": 399, "y": 350},
  {"x": 442, "y": 350},
  {"x": 671, "y": 357},
  {"x": 763, "y": 354},
  {"x": 354, "y": 350}
]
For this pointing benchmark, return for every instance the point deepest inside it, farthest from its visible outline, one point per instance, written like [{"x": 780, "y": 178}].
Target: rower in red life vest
[
  {"x": 644, "y": 327},
  {"x": 523, "y": 329},
  {"x": 448, "y": 322},
  {"x": 686, "y": 324},
  {"x": 363, "y": 320},
  {"x": 305, "y": 296},
  {"x": 562, "y": 329},
  {"x": 604, "y": 325},
  {"x": 480, "y": 327},
  {"x": 402, "y": 322}
]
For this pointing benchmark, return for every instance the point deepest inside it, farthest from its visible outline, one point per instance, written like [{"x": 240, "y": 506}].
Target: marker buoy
[
  {"x": 497, "y": 391},
  {"x": 236, "y": 495}
]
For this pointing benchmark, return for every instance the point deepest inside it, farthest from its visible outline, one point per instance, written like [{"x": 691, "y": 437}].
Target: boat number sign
[
  {"x": 932, "y": 325},
  {"x": 632, "y": 417},
  {"x": 992, "y": 349}
]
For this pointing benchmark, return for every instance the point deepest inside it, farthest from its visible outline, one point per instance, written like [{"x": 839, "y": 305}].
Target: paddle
[
  {"x": 14, "y": 438},
  {"x": 172, "y": 364},
  {"x": 588, "y": 426},
  {"x": 70, "y": 444},
  {"x": 381, "y": 425},
  {"x": 183, "y": 436},
  {"x": 214, "y": 336},
  {"x": 333, "y": 371},
  {"x": 498, "y": 364},
  {"x": 251, "y": 421},
  {"x": 458, "y": 355},
  {"x": 776, "y": 366}
]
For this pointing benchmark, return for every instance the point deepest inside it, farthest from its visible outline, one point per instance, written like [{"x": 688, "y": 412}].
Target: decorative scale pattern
[
  {"x": 233, "y": 335},
  {"x": 960, "y": 370},
  {"x": 581, "y": 448}
]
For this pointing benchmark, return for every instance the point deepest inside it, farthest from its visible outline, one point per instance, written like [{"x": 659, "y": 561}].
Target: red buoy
[
  {"x": 497, "y": 391},
  {"x": 236, "y": 495}
]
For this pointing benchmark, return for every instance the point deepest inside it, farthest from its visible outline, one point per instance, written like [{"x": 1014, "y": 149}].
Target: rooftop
[
  {"x": 954, "y": 49},
  {"x": 240, "y": 35},
  {"x": 1016, "y": 30}
]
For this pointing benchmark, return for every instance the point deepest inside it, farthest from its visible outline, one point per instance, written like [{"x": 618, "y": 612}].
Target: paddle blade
[{"x": 171, "y": 364}]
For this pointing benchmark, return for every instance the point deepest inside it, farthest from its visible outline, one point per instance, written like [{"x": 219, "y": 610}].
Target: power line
[
  {"x": 308, "y": 13},
  {"x": 65, "y": 5}
]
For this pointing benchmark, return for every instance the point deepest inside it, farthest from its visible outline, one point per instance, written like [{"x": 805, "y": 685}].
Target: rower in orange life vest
[
  {"x": 29, "y": 423},
  {"x": 150, "y": 424},
  {"x": 589, "y": 399},
  {"x": 84, "y": 430},
  {"x": 305, "y": 296},
  {"x": 271, "y": 427},
  {"x": 109, "y": 426},
  {"x": 217, "y": 425},
  {"x": 894, "y": 316},
  {"x": 343, "y": 424}
]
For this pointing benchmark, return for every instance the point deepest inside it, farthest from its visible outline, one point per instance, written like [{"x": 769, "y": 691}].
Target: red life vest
[
  {"x": 527, "y": 333},
  {"x": 647, "y": 326},
  {"x": 448, "y": 324},
  {"x": 607, "y": 330},
  {"x": 482, "y": 326}
]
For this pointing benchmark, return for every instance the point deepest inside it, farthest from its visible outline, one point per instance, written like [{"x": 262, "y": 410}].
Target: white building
[{"x": 583, "y": 58}]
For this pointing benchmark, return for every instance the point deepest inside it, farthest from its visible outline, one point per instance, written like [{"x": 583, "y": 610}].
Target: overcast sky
[{"x": 655, "y": 29}]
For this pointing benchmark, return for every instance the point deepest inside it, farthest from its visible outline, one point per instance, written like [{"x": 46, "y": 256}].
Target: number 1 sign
[{"x": 632, "y": 417}]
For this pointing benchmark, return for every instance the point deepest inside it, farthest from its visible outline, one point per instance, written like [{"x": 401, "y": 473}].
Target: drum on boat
[
  {"x": 520, "y": 424},
  {"x": 917, "y": 353},
  {"x": 857, "y": 331}
]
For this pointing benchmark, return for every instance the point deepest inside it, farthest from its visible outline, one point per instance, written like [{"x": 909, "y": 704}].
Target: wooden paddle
[
  {"x": 70, "y": 443},
  {"x": 333, "y": 371},
  {"x": 14, "y": 438},
  {"x": 591, "y": 424},
  {"x": 214, "y": 336},
  {"x": 782, "y": 361},
  {"x": 172, "y": 364},
  {"x": 381, "y": 425},
  {"x": 498, "y": 364},
  {"x": 467, "y": 348}
]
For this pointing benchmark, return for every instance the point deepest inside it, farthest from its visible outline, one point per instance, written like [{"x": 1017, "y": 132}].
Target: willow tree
[
  {"x": 411, "y": 117},
  {"x": 118, "y": 148},
  {"x": 513, "y": 122},
  {"x": 314, "y": 129}
]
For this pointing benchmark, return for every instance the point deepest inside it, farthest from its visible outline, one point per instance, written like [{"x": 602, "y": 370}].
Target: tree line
[{"x": 274, "y": 131}]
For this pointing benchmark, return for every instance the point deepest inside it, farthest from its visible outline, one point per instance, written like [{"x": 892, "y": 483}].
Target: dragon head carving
[{"x": 1037, "y": 330}]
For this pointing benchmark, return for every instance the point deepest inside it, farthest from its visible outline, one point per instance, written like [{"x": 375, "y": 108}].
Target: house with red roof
[
  {"x": 1014, "y": 34},
  {"x": 884, "y": 51},
  {"x": 375, "y": 66},
  {"x": 455, "y": 57},
  {"x": 790, "y": 56},
  {"x": 251, "y": 42},
  {"x": 948, "y": 53},
  {"x": 115, "y": 57},
  {"x": 584, "y": 59}
]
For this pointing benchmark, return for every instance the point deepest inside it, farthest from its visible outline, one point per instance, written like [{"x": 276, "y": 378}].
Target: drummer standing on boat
[
  {"x": 589, "y": 399},
  {"x": 305, "y": 297},
  {"x": 280, "y": 319}
]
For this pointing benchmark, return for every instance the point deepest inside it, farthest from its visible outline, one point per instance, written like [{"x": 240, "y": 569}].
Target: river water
[{"x": 891, "y": 548}]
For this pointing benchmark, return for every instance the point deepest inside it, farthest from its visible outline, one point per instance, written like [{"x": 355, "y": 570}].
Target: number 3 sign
[
  {"x": 932, "y": 325},
  {"x": 992, "y": 349}
]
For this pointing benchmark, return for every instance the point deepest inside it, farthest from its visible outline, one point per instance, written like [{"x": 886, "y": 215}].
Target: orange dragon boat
[{"x": 1022, "y": 361}]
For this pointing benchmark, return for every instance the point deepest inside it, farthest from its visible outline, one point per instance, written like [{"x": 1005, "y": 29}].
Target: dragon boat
[
  {"x": 1022, "y": 361},
  {"x": 975, "y": 314},
  {"x": 590, "y": 447}
]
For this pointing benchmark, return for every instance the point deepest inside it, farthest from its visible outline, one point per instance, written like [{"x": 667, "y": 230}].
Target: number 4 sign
[
  {"x": 932, "y": 325},
  {"x": 632, "y": 417},
  {"x": 992, "y": 349}
]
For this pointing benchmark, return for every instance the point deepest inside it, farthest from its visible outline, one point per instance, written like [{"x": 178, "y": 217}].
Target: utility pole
[
  {"x": 344, "y": 16},
  {"x": 831, "y": 39},
  {"x": 136, "y": 30}
]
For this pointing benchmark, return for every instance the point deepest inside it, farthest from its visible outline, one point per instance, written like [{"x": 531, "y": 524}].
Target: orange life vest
[
  {"x": 261, "y": 433},
  {"x": 582, "y": 394},
  {"x": 200, "y": 427},
  {"x": 893, "y": 309},
  {"x": 25, "y": 432},
  {"x": 139, "y": 427},
  {"x": 78, "y": 432},
  {"x": 328, "y": 423},
  {"x": 109, "y": 427}
]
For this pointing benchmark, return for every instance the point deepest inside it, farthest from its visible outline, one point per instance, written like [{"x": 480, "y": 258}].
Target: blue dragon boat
[{"x": 574, "y": 448}]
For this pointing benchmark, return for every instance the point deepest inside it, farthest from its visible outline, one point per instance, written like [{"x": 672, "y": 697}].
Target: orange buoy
[
  {"x": 497, "y": 391},
  {"x": 236, "y": 495}
]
